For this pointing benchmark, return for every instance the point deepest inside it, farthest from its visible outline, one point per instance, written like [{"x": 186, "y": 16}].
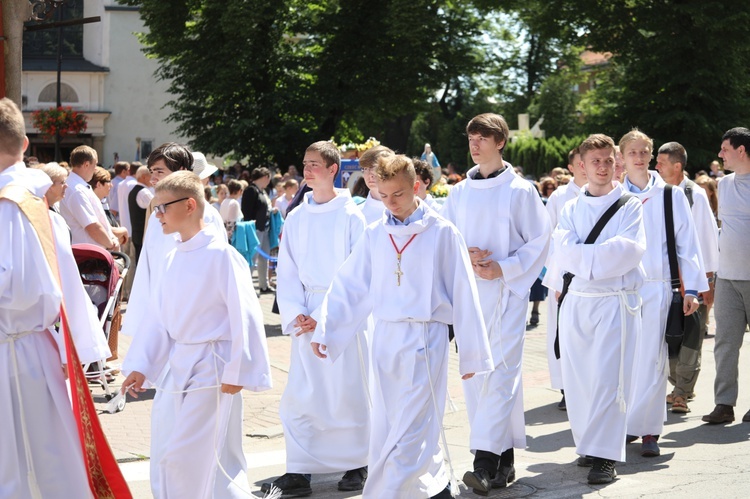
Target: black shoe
[
  {"x": 534, "y": 321},
  {"x": 629, "y": 439},
  {"x": 585, "y": 461},
  {"x": 290, "y": 484},
  {"x": 353, "y": 480},
  {"x": 504, "y": 476},
  {"x": 561, "y": 405},
  {"x": 602, "y": 471},
  {"x": 269, "y": 289},
  {"x": 479, "y": 481}
]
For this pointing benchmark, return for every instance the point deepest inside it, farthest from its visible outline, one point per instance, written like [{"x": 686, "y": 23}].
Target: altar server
[
  {"x": 502, "y": 219},
  {"x": 324, "y": 409},
  {"x": 373, "y": 206},
  {"x": 600, "y": 316},
  {"x": 210, "y": 332},
  {"x": 412, "y": 271}
]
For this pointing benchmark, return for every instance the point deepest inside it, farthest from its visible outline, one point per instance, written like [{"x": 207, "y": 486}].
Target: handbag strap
[{"x": 674, "y": 269}]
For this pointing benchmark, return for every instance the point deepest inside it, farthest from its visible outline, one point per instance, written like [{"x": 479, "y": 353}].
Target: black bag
[
  {"x": 591, "y": 239},
  {"x": 680, "y": 328}
]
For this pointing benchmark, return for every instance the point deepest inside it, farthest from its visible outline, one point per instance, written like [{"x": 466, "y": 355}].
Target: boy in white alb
[
  {"x": 210, "y": 332},
  {"x": 412, "y": 272},
  {"x": 554, "y": 206},
  {"x": 324, "y": 410},
  {"x": 600, "y": 316},
  {"x": 647, "y": 410},
  {"x": 502, "y": 219}
]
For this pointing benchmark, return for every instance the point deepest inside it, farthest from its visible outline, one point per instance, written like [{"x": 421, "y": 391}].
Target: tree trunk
[
  {"x": 15, "y": 13},
  {"x": 397, "y": 133}
]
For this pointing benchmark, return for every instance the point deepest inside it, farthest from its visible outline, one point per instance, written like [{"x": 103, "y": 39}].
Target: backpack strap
[{"x": 674, "y": 270}]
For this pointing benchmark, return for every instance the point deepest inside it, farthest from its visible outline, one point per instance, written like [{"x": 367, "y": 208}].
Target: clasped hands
[{"x": 483, "y": 266}]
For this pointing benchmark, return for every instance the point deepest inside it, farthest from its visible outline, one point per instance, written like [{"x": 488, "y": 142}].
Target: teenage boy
[
  {"x": 555, "y": 203},
  {"x": 424, "y": 176},
  {"x": 502, "y": 219},
  {"x": 647, "y": 410},
  {"x": 412, "y": 271},
  {"x": 600, "y": 316},
  {"x": 373, "y": 206},
  {"x": 162, "y": 162},
  {"x": 210, "y": 333},
  {"x": 683, "y": 370},
  {"x": 324, "y": 410}
]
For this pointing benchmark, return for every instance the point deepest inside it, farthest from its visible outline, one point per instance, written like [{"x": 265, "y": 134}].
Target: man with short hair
[
  {"x": 502, "y": 219},
  {"x": 373, "y": 207},
  {"x": 683, "y": 370},
  {"x": 81, "y": 208},
  {"x": 732, "y": 306},
  {"x": 122, "y": 169},
  {"x": 256, "y": 206},
  {"x": 600, "y": 316},
  {"x": 138, "y": 200}
]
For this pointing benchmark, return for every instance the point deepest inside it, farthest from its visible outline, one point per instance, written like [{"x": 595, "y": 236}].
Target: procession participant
[
  {"x": 213, "y": 351},
  {"x": 432, "y": 286},
  {"x": 683, "y": 370},
  {"x": 424, "y": 176},
  {"x": 647, "y": 410},
  {"x": 555, "y": 203},
  {"x": 163, "y": 161},
  {"x": 373, "y": 206},
  {"x": 600, "y": 315},
  {"x": 502, "y": 219},
  {"x": 40, "y": 448},
  {"x": 318, "y": 238}
]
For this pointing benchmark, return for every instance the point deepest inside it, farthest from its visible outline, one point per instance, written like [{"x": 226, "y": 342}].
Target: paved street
[{"x": 697, "y": 460}]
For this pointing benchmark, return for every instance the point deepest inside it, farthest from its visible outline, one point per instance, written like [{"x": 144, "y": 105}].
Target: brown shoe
[
  {"x": 721, "y": 414},
  {"x": 746, "y": 417}
]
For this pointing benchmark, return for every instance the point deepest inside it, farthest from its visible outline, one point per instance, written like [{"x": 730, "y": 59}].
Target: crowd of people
[{"x": 372, "y": 286}]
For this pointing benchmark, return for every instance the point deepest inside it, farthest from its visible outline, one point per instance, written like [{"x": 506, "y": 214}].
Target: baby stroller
[{"x": 102, "y": 273}]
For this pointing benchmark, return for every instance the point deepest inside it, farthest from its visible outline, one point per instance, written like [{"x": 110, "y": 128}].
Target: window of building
[
  {"x": 147, "y": 145},
  {"x": 43, "y": 43},
  {"x": 49, "y": 93}
]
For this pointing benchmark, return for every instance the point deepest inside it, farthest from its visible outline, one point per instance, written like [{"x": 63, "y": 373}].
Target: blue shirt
[{"x": 417, "y": 215}]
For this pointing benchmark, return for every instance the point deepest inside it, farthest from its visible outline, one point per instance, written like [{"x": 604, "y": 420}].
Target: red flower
[{"x": 62, "y": 119}]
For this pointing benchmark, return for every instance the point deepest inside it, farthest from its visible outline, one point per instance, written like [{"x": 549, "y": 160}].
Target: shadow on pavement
[
  {"x": 709, "y": 434},
  {"x": 273, "y": 330},
  {"x": 551, "y": 442},
  {"x": 545, "y": 414}
]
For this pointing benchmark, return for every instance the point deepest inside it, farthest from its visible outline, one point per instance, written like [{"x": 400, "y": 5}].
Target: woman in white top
[{"x": 230, "y": 209}]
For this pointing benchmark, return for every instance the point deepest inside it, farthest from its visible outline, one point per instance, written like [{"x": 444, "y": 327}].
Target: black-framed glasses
[{"x": 162, "y": 208}]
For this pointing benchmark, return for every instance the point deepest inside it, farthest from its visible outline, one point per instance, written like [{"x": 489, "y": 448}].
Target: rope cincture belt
[
  {"x": 31, "y": 473},
  {"x": 625, "y": 308}
]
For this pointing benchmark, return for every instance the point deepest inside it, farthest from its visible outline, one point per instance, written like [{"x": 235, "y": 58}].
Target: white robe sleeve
[
  {"x": 523, "y": 266},
  {"x": 708, "y": 231},
  {"x": 347, "y": 302},
  {"x": 290, "y": 291},
  {"x": 610, "y": 258},
  {"x": 689, "y": 256},
  {"x": 474, "y": 351},
  {"x": 248, "y": 365}
]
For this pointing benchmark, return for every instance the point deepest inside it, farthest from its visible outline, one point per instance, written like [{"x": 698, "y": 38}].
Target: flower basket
[
  {"x": 62, "y": 120},
  {"x": 353, "y": 151}
]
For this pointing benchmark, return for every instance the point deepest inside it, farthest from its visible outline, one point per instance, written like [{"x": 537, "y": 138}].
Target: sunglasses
[{"x": 162, "y": 208}]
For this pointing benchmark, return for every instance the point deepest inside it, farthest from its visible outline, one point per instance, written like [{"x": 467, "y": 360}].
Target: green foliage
[{"x": 539, "y": 156}]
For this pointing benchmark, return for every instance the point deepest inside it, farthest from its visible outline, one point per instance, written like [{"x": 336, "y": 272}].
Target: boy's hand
[
  {"x": 477, "y": 254},
  {"x": 135, "y": 379},
  {"x": 467, "y": 376},
  {"x": 318, "y": 350},
  {"x": 488, "y": 269},
  {"x": 230, "y": 389},
  {"x": 306, "y": 324},
  {"x": 689, "y": 304}
]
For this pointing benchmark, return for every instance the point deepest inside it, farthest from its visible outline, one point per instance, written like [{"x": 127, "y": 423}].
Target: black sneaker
[
  {"x": 290, "y": 484},
  {"x": 353, "y": 480},
  {"x": 602, "y": 471},
  {"x": 562, "y": 405},
  {"x": 585, "y": 461},
  {"x": 504, "y": 476},
  {"x": 479, "y": 481},
  {"x": 629, "y": 439}
]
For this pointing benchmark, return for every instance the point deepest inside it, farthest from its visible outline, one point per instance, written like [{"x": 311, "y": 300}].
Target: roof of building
[{"x": 76, "y": 64}]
